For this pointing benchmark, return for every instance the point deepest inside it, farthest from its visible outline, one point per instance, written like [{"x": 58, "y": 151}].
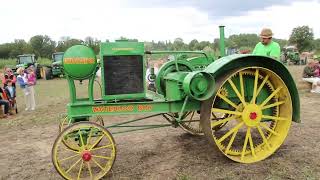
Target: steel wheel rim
[
  {"x": 272, "y": 135},
  {"x": 89, "y": 161}
]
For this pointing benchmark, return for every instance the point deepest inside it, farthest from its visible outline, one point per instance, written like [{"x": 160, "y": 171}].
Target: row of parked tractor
[{"x": 42, "y": 71}]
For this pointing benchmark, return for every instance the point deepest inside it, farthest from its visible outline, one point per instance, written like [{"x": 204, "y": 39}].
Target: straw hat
[{"x": 266, "y": 33}]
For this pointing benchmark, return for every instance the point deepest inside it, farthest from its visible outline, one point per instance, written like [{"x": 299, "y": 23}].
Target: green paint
[
  {"x": 79, "y": 62},
  {"x": 222, "y": 41}
]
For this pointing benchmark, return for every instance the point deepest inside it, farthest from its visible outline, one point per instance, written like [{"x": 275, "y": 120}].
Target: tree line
[{"x": 44, "y": 46}]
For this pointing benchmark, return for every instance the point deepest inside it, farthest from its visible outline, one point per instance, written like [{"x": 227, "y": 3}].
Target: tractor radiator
[{"x": 123, "y": 74}]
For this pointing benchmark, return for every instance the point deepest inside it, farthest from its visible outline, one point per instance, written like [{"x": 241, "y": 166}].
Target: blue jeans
[{"x": 6, "y": 105}]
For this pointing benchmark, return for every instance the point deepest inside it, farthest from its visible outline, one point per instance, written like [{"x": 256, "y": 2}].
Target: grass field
[
  {"x": 12, "y": 62},
  {"x": 27, "y": 138}
]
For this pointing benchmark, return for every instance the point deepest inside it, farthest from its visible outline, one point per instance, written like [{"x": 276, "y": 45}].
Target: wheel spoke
[
  {"x": 245, "y": 143},
  {"x": 272, "y": 105},
  {"x": 271, "y": 96},
  {"x": 236, "y": 128},
  {"x": 262, "y": 84},
  {"x": 191, "y": 117},
  {"x": 89, "y": 137},
  {"x": 79, "y": 173},
  {"x": 251, "y": 143},
  {"x": 71, "y": 150},
  {"x": 263, "y": 137},
  {"x": 237, "y": 92},
  {"x": 267, "y": 128},
  {"x": 81, "y": 140},
  {"x": 95, "y": 143},
  {"x": 227, "y": 100},
  {"x": 89, "y": 168},
  {"x": 216, "y": 123},
  {"x": 275, "y": 118},
  {"x": 73, "y": 165},
  {"x": 103, "y": 157},
  {"x": 102, "y": 147},
  {"x": 70, "y": 157},
  {"x": 254, "y": 95},
  {"x": 241, "y": 84},
  {"x": 226, "y": 111},
  {"x": 98, "y": 164},
  {"x": 231, "y": 141}
]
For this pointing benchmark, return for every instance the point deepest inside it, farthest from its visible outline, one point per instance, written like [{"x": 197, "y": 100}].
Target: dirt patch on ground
[{"x": 168, "y": 153}]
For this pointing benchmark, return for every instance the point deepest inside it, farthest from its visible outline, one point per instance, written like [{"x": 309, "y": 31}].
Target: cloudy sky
[{"x": 149, "y": 20}]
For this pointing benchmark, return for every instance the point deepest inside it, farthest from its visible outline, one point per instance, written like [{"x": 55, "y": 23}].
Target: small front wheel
[{"x": 94, "y": 156}]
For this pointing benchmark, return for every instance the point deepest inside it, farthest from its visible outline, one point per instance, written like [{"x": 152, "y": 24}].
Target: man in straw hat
[{"x": 267, "y": 47}]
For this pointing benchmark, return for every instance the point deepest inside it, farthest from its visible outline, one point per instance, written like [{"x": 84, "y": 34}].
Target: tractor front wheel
[
  {"x": 257, "y": 114},
  {"x": 94, "y": 156}
]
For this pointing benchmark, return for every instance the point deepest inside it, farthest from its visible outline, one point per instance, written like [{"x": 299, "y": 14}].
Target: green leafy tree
[
  {"x": 302, "y": 37},
  {"x": 244, "y": 40},
  {"x": 42, "y": 46},
  {"x": 93, "y": 43},
  {"x": 178, "y": 44},
  {"x": 65, "y": 43},
  {"x": 193, "y": 45},
  {"x": 19, "y": 46},
  {"x": 316, "y": 44}
]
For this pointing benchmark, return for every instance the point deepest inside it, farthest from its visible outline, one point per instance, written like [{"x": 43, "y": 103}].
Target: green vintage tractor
[
  {"x": 55, "y": 69},
  {"x": 243, "y": 104},
  {"x": 290, "y": 55},
  {"x": 25, "y": 61}
]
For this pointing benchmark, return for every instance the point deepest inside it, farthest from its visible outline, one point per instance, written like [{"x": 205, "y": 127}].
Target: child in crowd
[{"x": 10, "y": 91}]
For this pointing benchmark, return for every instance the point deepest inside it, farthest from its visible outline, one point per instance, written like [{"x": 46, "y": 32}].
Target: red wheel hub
[
  {"x": 253, "y": 116},
  {"x": 86, "y": 155}
]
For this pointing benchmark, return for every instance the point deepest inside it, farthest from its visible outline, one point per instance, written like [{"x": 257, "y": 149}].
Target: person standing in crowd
[
  {"x": 22, "y": 79},
  {"x": 267, "y": 47},
  {"x": 31, "y": 83}
]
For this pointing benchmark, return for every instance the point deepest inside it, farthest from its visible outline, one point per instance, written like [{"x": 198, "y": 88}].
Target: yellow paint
[
  {"x": 122, "y": 49},
  {"x": 251, "y": 108},
  {"x": 76, "y": 171},
  {"x": 272, "y": 134},
  {"x": 78, "y": 60}
]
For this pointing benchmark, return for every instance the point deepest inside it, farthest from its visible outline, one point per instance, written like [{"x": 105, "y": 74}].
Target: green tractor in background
[
  {"x": 290, "y": 55},
  {"x": 27, "y": 60},
  {"x": 55, "y": 69}
]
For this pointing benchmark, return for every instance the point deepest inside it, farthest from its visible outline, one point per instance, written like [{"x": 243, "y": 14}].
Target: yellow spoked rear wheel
[
  {"x": 65, "y": 123},
  {"x": 257, "y": 114},
  {"x": 90, "y": 160}
]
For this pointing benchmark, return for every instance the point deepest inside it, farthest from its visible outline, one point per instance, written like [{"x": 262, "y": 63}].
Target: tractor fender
[{"x": 227, "y": 64}]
